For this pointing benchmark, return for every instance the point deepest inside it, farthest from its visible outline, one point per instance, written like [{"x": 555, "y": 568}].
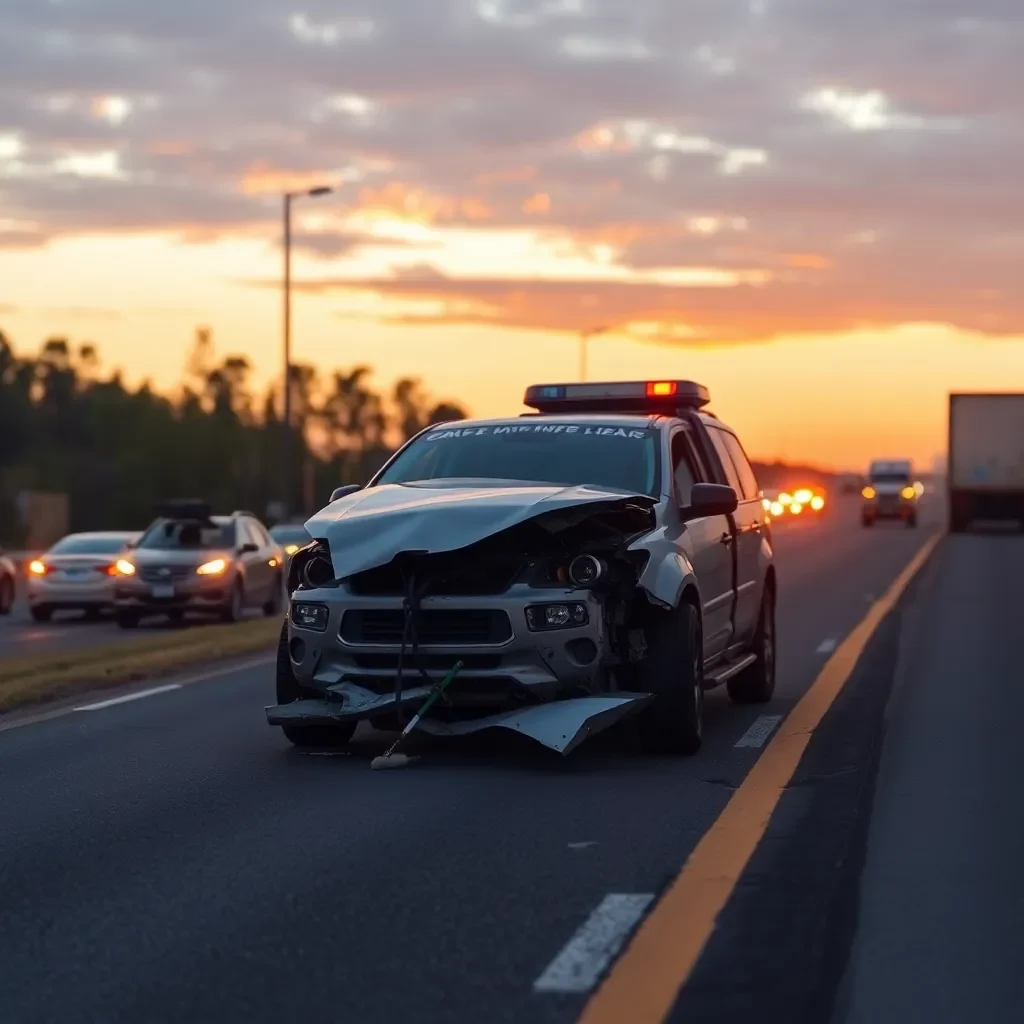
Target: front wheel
[
  {"x": 756, "y": 683},
  {"x": 674, "y": 723},
  {"x": 273, "y": 605},
  {"x": 41, "y": 612},
  {"x": 289, "y": 690},
  {"x": 127, "y": 620},
  {"x": 232, "y": 611},
  {"x": 6, "y": 595}
]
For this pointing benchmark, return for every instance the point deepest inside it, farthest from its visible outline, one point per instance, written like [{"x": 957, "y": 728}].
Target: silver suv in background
[
  {"x": 191, "y": 561},
  {"x": 890, "y": 493}
]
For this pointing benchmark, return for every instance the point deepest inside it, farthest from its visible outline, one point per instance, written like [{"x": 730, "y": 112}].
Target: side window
[
  {"x": 261, "y": 535},
  {"x": 246, "y": 534},
  {"x": 683, "y": 470},
  {"x": 731, "y": 476},
  {"x": 742, "y": 464}
]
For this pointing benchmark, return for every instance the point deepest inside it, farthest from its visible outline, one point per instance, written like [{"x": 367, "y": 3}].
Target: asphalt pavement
[
  {"x": 21, "y": 637},
  {"x": 171, "y": 858},
  {"x": 939, "y": 935}
]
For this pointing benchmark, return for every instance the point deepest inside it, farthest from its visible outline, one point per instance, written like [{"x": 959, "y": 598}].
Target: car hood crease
[{"x": 368, "y": 529}]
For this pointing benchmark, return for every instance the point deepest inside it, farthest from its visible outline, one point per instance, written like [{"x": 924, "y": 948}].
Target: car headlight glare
[
  {"x": 122, "y": 567},
  {"x": 310, "y": 616},
  {"x": 215, "y": 567}
]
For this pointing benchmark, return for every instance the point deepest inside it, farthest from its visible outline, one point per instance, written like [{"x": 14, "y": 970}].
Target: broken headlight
[
  {"x": 556, "y": 616},
  {"x": 310, "y": 616}
]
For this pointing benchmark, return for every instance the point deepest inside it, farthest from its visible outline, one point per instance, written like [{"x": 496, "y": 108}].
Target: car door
[
  {"x": 270, "y": 553},
  {"x": 257, "y": 583},
  {"x": 749, "y": 519},
  {"x": 708, "y": 543}
]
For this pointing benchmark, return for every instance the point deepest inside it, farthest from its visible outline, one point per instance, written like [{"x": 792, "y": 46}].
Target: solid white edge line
[
  {"x": 17, "y": 720},
  {"x": 138, "y": 695},
  {"x": 826, "y": 646},
  {"x": 583, "y": 959},
  {"x": 757, "y": 735}
]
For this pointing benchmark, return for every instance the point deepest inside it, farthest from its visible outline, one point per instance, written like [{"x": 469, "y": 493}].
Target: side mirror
[
  {"x": 344, "y": 492},
  {"x": 247, "y": 548},
  {"x": 710, "y": 500}
]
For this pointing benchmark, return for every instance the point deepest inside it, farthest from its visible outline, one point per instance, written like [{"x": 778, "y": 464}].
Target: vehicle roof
[
  {"x": 617, "y": 419},
  {"x": 102, "y": 533}
]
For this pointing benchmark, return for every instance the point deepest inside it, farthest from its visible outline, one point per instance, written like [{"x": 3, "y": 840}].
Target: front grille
[
  {"x": 164, "y": 573},
  {"x": 428, "y": 662},
  {"x": 435, "y": 626},
  {"x": 463, "y": 580}
]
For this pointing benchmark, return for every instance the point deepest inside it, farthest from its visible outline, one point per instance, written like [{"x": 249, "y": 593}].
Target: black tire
[
  {"x": 274, "y": 605},
  {"x": 235, "y": 608},
  {"x": 912, "y": 522},
  {"x": 958, "y": 524},
  {"x": 127, "y": 620},
  {"x": 756, "y": 683},
  {"x": 867, "y": 521},
  {"x": 674, "y": 672},
  {"x": 289, "y": 690},
  {"x": 40, "y": 612},
  {"x": 6, "y": 595}
]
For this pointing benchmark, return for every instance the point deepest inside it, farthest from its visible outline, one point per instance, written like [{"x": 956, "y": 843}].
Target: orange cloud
[
  {"x": 172, "y": 147},
  {"x": 537, "y": 203},
  {"x": 397, "y": 201},
  {"x": 515, "y": 176},
  {"x": 263, "y": 179},
  {"x": 807, "y": 261}
]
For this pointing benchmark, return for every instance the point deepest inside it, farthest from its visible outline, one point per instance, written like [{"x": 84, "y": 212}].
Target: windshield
[
  {"x": 890, "y": 478},
  {"x": 614, "y": 457},
  {"x": 188, "y": 534},
  {"x": 290, "y": 535},
  {"x": 83, "y": 544}
]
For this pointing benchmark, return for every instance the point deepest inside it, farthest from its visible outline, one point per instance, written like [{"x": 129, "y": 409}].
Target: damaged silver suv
[{"x": 604, "y": 556}]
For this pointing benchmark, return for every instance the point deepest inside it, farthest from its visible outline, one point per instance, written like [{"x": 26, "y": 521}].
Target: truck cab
[{"x": 890, "y": 493}]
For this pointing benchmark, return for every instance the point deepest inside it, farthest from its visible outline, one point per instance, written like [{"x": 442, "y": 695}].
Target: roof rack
[{"x": 643, "y": 396}]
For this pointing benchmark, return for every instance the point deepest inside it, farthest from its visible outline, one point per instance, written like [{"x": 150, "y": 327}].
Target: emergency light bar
[{"x": 635, "y": 396}]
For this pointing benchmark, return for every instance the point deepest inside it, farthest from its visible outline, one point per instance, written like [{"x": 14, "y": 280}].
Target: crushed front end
[{"x": 538, "y": 614}]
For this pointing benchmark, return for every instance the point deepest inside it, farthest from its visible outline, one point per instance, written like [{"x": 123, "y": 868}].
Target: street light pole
[{"x": 288, "y": 477}]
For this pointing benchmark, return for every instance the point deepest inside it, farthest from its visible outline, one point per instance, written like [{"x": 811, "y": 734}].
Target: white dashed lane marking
[
  {"x": 138, "y": 695},
  {"x": 585, "y": 957},
  {"x": 757, "y": 735}
]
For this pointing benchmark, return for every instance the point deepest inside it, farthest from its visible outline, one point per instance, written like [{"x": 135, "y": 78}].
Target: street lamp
[
  {"x": 320, "y": 190},
  {"x": 585, "y": 336}
]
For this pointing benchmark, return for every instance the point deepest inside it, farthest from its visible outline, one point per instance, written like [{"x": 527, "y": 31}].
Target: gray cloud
[{"x": 894, "y": 196}]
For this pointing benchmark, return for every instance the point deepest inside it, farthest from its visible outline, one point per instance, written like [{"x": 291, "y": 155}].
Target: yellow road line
[{"x": 643, "y": 985}]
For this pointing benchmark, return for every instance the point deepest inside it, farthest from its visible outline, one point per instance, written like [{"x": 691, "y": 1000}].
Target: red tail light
[{"x": 661, "y": 388}]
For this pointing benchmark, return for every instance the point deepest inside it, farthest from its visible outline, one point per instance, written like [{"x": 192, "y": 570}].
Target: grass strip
[{"x": 40, "y": 678}]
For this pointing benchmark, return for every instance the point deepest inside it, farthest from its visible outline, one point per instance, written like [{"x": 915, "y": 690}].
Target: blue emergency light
[{"x": 635, "y": 396}]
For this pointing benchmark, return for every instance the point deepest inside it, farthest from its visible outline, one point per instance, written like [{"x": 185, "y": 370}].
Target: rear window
[
  {"x": 188, "y": 534},
  {"x": 83, "y": 544}
]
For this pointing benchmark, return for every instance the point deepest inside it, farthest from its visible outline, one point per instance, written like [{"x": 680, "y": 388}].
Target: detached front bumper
[{"x": 507, "y": 665}]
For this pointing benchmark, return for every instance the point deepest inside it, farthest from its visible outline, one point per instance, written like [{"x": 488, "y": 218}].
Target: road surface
[
  {"x": 171, "y": 858},
  {"x": 20, "y": 637}
]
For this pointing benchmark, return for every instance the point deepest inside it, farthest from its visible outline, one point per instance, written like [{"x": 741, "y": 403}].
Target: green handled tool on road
[{"x": 389, "y": 759}]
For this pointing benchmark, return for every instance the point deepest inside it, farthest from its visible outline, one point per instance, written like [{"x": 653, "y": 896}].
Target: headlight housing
[
  {"x": 215, "y": 567},
  {"x": 310, "y": 616},
  {"x": 543, "y": 617}
]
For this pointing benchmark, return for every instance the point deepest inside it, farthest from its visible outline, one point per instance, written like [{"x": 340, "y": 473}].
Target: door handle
[
  {"x": 756, "y": 526},
  {"x": 726, "y": 539}
]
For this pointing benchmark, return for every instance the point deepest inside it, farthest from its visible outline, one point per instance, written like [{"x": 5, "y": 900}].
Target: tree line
[{"x": 117, "y": 451}]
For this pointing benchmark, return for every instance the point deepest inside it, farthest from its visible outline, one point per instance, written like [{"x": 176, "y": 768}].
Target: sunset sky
[{"x": 814, "y": 207}]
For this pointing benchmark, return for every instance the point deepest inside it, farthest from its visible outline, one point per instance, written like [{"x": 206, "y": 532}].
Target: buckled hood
[{"x": 367, "y": 529}]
